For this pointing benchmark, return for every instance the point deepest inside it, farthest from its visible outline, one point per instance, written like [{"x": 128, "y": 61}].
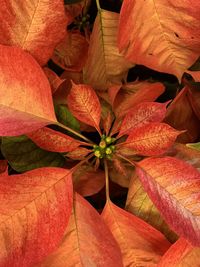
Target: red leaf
[
  {"x": 25, "y": 94},
  {"x": 141, "y": 115},
  {"x": 71, "y": 53},
  {"x": 151, "y": 139},
  {"x": 79, "y": 153},
  {"x": 174, "y": 187},
  {"x": 181, "y": 116},
  {"x": 54, "y": 141},
  {"x": 181, "y": 254},
  {"x": 3, "y": 166},
  {"x": 87, "y": 242},
  {"x": 140, "y": 243},
  {"x": 35, "y": 27},
  {"x": 84, "y": 105},
  {"x": 35, "y": 208},
  {"x": 161, "y": 40},
  {"x": 88, "y": 181}
]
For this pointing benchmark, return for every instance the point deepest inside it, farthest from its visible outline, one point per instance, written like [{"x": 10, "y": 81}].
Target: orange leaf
[
  {"x": 142, "y": 114},
  {"x": 174, "y": 187},
  {"x": 34, "y": 210},
  {"x": 181, "y": 254},
  {"x": 140, "y": 243},
  {"x": 3, "y": 166},
  {"x": 151, "y": 139},
  {"x": 71, "y": 53},
  {"x": 54, "y": 80},
  {"x": 79, "y": 153},
  {"x": 181, "y": 116},
  {"x": 35, "y": 26},
  {"x": 54, "y": 141},
  {"x": 25, "y": 95},
  {"x": 87, "y": 242},
  {"x": 105, "y": 65},
  {"x": 88, "y": 181},
  {"x": 167, "y": 39},
  {"x": 84, "y": 104},
  {"x": 134, "y": 94}
]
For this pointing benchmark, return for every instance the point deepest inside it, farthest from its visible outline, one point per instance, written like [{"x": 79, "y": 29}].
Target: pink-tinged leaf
[
  {"x": 79, "y": 153},
  {"x": 174, "y": 187},
  {"x": 3, "y": 166},
  {"x": 84, "y": 104},
  {"x": 141, "y": 115},
  {"x": 41, "y": 27},
  {"x": 140, "y": 243},
  {"x": 54, "y": 80},
  {"x": 71, "y": 53},
  {"x": 54, "y": 141},
  {"x": 139, "y": 204},
  {"x": 88, "y": 181},
  {"x": 87, "y": 241},
  {"x": 181, "y": 116},
  {"x": 74, "y": 10},
  {"x": 134, "y": 94},
  {"x": 151, "y": 139},
  {"x": 163, "y": 40},
  {"x": 25, "y": 94},
  {"x": 181, "y": 254},
  {"x": 105, "y": 65},
  {"x": 35, "y": 208}
]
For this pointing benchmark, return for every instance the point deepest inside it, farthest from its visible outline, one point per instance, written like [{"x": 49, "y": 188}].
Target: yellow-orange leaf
[
  {"x": 105, "y": 65},
  {"x": 34, "y": 210},
  {"x": 36, "y": 26},
  {"x": 181, "y": 254},
  {"x": 139, "y": 203},
  {"x": 160, "y": 34},
  {"x": 140, "y": 243},
  {"x": 87, "y": 241}
]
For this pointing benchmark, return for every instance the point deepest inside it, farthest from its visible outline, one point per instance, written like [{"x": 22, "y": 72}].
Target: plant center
[{"x": 106, "y": 147}]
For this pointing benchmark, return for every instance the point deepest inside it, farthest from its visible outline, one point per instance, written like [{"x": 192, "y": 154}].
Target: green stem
[
  {"x": 75, "y": 133},
  {"x": 107, "y": 180},
  {"x": 98, "y": 5}
]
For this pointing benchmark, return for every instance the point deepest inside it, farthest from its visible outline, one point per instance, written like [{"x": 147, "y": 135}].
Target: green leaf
[
  {"x": 195, "y": 146},
  {"x": 24, "y": 155},
  {"x": 65, "y": 117}
]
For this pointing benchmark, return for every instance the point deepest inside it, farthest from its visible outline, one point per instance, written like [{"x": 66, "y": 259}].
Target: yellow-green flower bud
[
  {"x": 102, "y": 144},
  {"x": 108, "y": 139},
  {"x": 97, "y": 153},
  {"x": 108, "y": 151}
]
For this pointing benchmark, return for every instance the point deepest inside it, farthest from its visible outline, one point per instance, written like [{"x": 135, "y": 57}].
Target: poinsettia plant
[{"x": 99, "y": 168}]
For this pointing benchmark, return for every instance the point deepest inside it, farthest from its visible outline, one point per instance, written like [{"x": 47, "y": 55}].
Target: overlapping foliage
[{"x": 74, "y": 123}]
